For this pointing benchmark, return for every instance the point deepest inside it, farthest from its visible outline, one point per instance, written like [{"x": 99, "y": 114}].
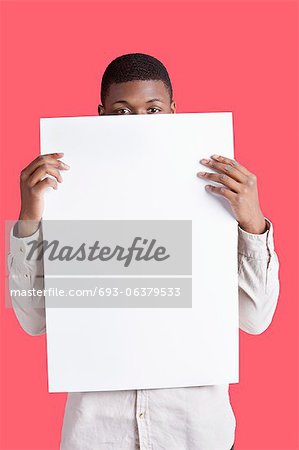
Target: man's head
[{"x": 136, "y": 84}]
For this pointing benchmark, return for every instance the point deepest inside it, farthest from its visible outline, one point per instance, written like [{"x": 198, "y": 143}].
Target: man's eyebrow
[
  {"x": 155, "y": 100},
  {"x": 149, "y": 101},
  {"x": 120, "y": 101}
]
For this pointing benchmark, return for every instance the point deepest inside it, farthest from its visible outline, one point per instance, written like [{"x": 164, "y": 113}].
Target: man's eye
[
  {"x": 153, "y": 110},
  {"x": 122, "y": 111}
]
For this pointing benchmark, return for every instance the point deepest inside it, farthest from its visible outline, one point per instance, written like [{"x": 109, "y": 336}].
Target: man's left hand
[{"x": 239, "y": 188}]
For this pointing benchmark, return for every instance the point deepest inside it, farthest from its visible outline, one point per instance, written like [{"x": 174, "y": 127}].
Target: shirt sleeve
[
  {"x": 258, "y": 279},
  {"x": 24, "y": 276}
]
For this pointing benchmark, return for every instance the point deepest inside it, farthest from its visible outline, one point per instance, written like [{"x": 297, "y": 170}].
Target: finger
[
  {"x": 44, "y": 184},
  {"x": 233, "y": 162},
  {"x": 225, "y": 168},
  {"x": 42, "y": 159},
  {"x": 222, "y": 178},
  {"x": 40, "y": 173},
  {"x": 222, "y": 191}
]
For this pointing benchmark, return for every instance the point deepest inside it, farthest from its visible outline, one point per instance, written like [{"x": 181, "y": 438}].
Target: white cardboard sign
[{"x": 143, "y": 168}]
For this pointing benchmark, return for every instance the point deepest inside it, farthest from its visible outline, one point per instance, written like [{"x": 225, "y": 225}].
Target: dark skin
[
  {"x": 237, "y": 184},
  {"x": 138, "y": 97}
]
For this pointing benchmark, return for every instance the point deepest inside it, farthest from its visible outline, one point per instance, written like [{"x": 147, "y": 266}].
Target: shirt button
[
  {"x": 21, "y": 250},
  {"x": 26, "y": 275},
  {"x": 141, "y": 415}
]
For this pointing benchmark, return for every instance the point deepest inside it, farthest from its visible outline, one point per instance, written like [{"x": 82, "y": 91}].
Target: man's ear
[
  {"x": 173, "y": 107},
  {"x": 101, "y": 110}
]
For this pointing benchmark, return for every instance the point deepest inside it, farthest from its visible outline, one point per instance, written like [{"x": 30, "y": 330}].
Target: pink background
[{"x": 222, "y": 56}]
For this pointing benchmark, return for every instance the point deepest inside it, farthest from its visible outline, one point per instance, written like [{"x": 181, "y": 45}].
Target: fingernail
[
  {"x": 215, "y": 156},
  {"x": 66, "y": 166},
  {"x": 201, "y": 174},
  {"x": 204, "y": 160}
]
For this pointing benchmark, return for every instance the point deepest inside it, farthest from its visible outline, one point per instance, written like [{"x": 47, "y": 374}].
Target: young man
[{"x": 195, "y": 418}]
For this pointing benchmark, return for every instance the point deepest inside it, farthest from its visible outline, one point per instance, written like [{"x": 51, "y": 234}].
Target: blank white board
[{"x": 142, "y": 169}]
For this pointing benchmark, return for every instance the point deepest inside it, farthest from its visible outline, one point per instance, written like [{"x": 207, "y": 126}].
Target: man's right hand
[{"x": 33, "y": 183}]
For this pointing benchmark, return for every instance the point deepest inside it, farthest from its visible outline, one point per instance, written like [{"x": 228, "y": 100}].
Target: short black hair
[{"x": 134, "y": 66}]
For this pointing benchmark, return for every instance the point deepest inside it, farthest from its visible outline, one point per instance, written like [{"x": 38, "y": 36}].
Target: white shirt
[{"x": 194, "y": 418}]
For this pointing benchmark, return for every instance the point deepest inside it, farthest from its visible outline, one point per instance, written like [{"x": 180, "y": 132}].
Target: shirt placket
[{"x": 143, "y": 419}]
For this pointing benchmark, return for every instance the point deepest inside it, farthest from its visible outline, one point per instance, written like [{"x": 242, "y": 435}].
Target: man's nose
[{"x": 140, "y": 111}]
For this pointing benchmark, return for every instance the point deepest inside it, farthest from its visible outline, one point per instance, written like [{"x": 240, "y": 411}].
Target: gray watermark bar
[{"x": 100, "y": 263}]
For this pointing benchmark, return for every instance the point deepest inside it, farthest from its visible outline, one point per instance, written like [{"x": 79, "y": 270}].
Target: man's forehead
[{"x": 138, "y": 90}]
